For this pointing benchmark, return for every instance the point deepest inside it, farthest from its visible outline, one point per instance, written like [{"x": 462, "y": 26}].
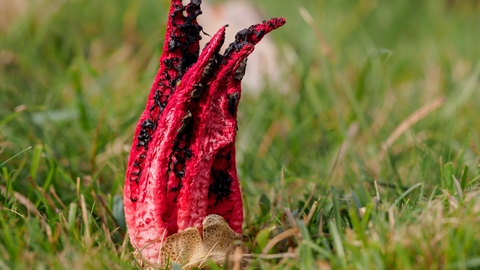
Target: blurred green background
[{"x": 75, "y": 74}]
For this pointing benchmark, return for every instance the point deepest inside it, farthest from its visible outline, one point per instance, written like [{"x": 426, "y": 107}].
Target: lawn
[{"x": 367, "y": 159}]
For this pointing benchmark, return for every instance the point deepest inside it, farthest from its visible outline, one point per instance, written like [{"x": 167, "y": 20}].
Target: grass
[{"x": 321, "y": 187}]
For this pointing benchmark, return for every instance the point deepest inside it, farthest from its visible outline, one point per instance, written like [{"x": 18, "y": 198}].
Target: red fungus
[{"x": 182, "y": 162}]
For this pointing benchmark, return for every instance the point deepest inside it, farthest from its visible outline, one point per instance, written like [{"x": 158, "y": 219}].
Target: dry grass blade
[
  {"x": 452, "y": 201},
  {"x": 320, "y": 224},
  {"x": 279, "y": 238},
  {"x": 391, "y": 218},
  {"x": 410, "y": 121},
  {"x": 47, "y": 198},
  {"x": 85, "y": 220},
  {"x": 268, "y": 139},
  {"x": 22, "y": 200},
  {"x": 474, "y": 148},
  {"x": 55, "y": 195},
  {"x": 377, "y": 198},
  {"x": 458, "y": 187},
  {"x": 326, "y": 49},
  {"x": 108, "y": 238},
  {"x": 109, "y": 212},
  {"x": 383, "y": 113},
  {"x": 237, "y": 258},
  {"x": 290, "y": 217},
  {"x": 311, "y": 212}
]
